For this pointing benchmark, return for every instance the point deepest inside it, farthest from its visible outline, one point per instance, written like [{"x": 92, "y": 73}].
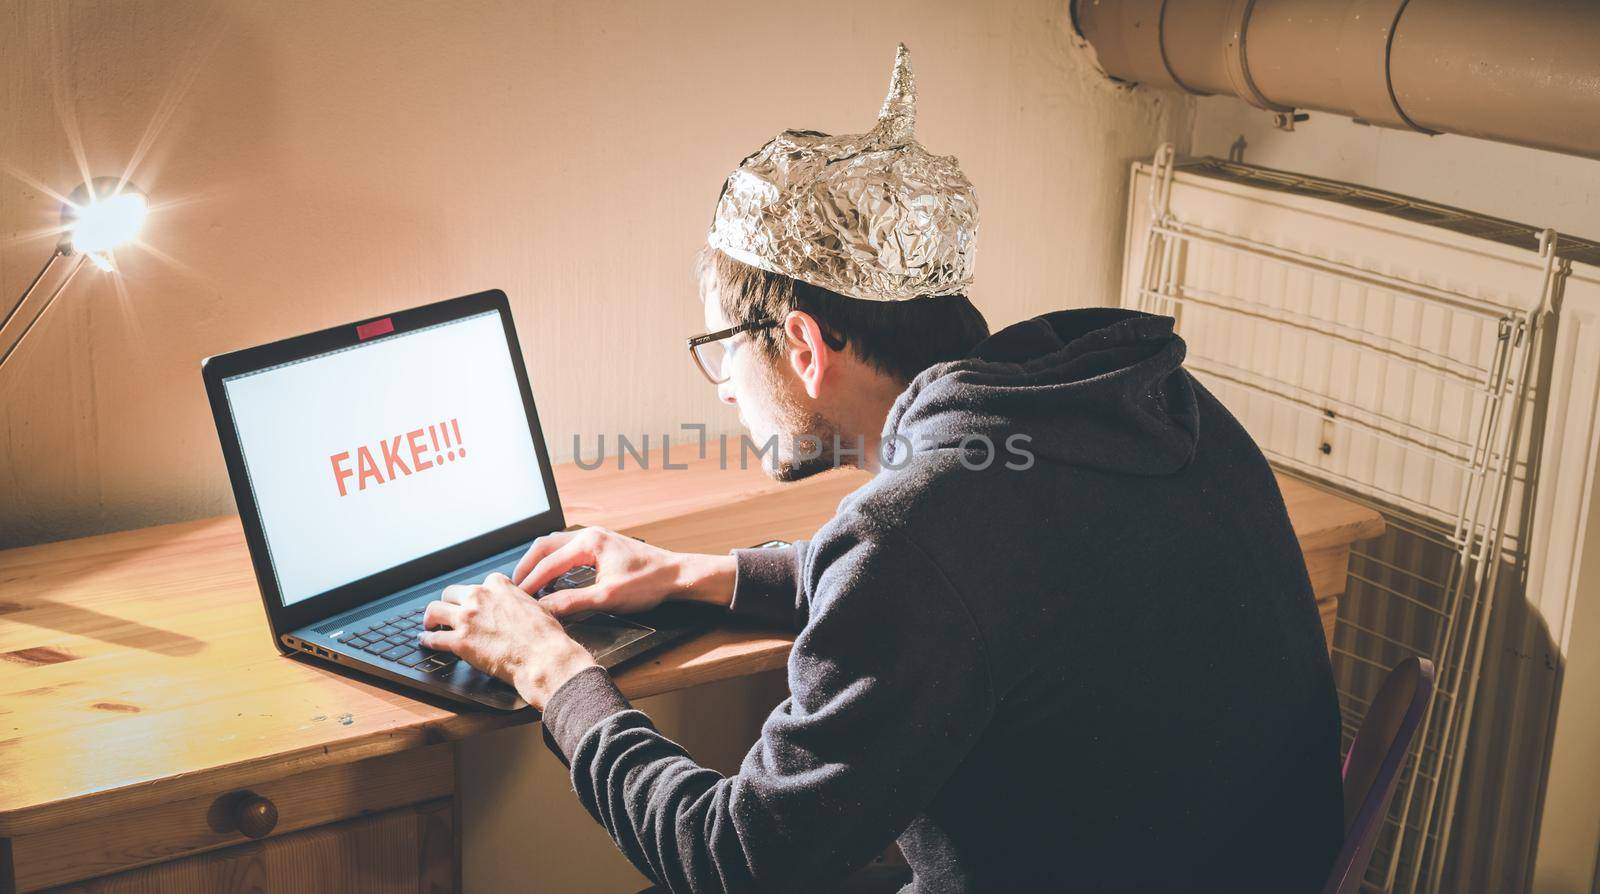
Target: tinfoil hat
[{"x": 871, "y": 216}]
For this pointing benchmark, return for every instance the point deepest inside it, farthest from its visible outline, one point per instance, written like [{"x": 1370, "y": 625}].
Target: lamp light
[
  {"x": 99, "y": 226},
  {"x": 99, "y": 216}
]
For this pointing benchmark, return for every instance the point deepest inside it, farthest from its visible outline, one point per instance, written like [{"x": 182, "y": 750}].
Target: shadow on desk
[{"x": 79, "y": 621}]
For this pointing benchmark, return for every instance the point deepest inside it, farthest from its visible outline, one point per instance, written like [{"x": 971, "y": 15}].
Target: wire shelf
[{"x": 1406, "y": 396}]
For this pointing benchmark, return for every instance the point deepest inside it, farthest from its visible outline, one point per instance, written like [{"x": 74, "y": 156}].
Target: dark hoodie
[{"x": 1102, "y": 671}]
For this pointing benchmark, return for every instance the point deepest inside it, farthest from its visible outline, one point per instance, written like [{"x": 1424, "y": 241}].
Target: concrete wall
[{"x": 319, "y": 162}]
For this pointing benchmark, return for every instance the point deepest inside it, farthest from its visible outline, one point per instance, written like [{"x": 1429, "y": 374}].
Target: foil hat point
[
  {"x": 874, "y": 216},
  {"x": 897, "y": 120}
]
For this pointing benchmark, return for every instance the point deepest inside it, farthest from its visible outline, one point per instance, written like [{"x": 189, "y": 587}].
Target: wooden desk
[{"x": 143, "y": 701}]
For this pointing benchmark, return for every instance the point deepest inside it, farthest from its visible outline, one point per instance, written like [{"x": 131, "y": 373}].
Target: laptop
[{"x": 378, "y": 462}]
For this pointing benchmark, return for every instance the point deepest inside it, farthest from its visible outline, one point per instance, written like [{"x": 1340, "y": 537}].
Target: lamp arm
[
  {"x": 56, "y": 255},
  {"x": 78, "y": 265}
]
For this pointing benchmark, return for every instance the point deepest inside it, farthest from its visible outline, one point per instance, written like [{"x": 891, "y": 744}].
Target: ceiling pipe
[{"x": 1517, "y": 71}]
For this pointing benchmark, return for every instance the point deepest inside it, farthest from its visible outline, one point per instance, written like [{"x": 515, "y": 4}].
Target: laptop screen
[{"x": 366, "y": 457}]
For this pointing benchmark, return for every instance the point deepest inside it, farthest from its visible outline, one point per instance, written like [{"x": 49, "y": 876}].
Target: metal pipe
[
  {"x": 1523, "y": 72},
  {"x": 1516, "y": 71}
]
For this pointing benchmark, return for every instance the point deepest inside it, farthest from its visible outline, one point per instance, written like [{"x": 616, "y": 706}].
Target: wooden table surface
[{"x": 136, "y": 668}]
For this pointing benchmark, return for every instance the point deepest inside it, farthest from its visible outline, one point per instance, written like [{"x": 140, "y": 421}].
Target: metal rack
[{"x": 1408, "y": 397}]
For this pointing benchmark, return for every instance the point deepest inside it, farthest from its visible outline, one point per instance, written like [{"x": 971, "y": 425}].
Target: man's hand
[
  {"x": 500, "y": 631},
  {"x": 630, "y": 575}
]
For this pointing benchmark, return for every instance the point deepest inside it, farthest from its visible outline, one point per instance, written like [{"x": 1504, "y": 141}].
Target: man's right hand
[{"x": 630, "y": 575}]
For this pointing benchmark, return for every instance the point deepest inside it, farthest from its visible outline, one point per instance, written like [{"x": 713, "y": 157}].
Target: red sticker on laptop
[{"x": 375, "y": 328}]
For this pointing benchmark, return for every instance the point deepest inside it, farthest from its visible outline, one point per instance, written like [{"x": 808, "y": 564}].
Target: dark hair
[{"x": 898, "y": 338}]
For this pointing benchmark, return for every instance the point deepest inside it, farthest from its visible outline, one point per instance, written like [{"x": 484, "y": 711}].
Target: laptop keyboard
[{"x": 394, "y": 639}]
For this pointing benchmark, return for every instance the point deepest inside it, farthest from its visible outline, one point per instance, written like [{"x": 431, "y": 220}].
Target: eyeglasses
[{"x": 711, "y": 353}]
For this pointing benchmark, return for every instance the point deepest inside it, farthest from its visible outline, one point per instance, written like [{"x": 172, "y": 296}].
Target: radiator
[{"x": 1443, "y": 367}]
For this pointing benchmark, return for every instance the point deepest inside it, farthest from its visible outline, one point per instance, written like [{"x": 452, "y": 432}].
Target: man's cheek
[{"x": 753, "y": 397}]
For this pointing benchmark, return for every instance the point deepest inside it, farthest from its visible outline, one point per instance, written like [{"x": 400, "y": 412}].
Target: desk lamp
[{"x": 99, "y": 216}]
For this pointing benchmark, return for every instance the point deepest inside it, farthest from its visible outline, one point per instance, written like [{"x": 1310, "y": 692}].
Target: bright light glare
[{"x": 102, "y": 225}]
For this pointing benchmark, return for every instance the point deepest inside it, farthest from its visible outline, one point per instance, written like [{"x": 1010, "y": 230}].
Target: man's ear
[{"x": 808, "y": 353}]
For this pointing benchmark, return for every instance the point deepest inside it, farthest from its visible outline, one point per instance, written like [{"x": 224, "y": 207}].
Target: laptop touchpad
[{"x": 601, "y": 633}]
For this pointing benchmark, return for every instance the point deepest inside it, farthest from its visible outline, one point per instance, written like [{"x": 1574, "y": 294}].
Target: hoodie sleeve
[
  {"x": 889, "y": 689},
  {"x": 766, "y": 585}
]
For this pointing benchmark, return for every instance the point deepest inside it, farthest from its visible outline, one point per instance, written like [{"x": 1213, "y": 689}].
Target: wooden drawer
[
  {"x": 115, "y": 842},
  {"x": 406, "y": 851}
]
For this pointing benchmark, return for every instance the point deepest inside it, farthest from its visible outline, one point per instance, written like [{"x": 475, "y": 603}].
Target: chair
[{"x": 1372, "y": 768}]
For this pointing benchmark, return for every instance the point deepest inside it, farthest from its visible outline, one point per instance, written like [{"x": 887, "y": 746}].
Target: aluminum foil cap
[{"x": 871, "y": 216}]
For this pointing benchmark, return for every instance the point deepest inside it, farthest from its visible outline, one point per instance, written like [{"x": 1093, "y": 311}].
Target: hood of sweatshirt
[{"x": 1102, "y": 388}]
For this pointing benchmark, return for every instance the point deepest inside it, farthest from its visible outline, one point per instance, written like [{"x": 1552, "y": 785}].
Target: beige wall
[
  {"x": 318, "y": 162},
  {"x": 1530, "y": 186}
]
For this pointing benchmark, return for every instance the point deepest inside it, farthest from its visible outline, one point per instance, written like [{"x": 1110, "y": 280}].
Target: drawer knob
[{"x": 255, "y": 816}]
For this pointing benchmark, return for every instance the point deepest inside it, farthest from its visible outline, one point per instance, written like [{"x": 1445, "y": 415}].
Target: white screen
[{"x": 307, "y": 430}]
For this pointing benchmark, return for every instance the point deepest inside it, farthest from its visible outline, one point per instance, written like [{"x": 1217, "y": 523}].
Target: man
[{"x": 1062, "y": 640}]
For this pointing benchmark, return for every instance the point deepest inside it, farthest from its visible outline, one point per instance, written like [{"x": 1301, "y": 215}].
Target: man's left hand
[{"x": 502, "y": 631}]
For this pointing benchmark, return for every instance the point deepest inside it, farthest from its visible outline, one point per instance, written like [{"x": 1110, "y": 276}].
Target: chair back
[{"x": 1372, "y": 768}]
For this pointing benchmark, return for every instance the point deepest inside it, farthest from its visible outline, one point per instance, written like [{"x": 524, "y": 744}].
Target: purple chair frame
[{"x": 1372, "y": 768}]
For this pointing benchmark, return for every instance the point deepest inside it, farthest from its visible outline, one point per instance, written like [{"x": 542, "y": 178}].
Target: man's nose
[{"x": 725, "y": 393}]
